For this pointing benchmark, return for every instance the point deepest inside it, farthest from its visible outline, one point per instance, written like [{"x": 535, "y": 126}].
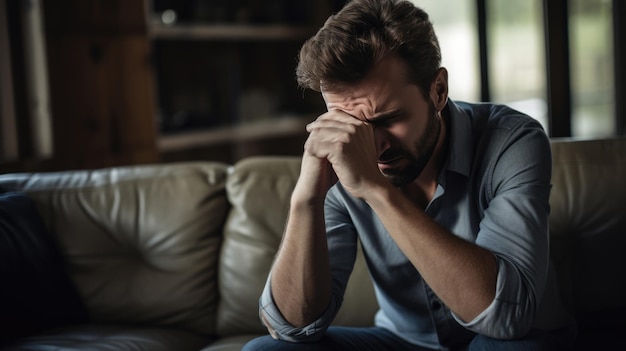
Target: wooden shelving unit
[
  {"x": 213, "y": 76},
  {"x": 236, "y": 32},
  {"x": 126, "y": 89},
  {"x": 266, "y": 129}
]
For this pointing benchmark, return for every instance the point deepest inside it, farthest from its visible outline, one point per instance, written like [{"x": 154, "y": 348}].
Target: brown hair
[{"x": 360, "y": 35}]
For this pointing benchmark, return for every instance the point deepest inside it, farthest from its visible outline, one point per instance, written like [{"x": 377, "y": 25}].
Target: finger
[
  {"x": 340, "y": 115},
  {"x": 332, "y": 125},
  {"x": 340, "y": 121}
]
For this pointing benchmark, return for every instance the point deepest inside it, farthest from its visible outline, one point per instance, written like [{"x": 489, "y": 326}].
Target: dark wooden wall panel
[{"x": 101, "y": 84}]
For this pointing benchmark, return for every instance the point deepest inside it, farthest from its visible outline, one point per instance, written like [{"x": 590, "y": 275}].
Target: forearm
[
  {"x": 301, "y": 279},
  {"x": 461, "y": 273}
]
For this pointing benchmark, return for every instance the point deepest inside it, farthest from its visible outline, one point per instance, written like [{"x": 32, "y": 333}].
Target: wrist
[
  {"x": 381, "y": 194},
  {"x": 305, "y": 195}
]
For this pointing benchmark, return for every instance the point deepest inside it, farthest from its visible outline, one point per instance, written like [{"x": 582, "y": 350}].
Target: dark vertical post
[
  {"x": 619, "y": 49},
  {"x": 558, "y": 67},
  {"x": 481, "y": 11}
]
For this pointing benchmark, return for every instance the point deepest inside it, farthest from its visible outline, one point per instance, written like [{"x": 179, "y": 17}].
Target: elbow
[
  {"x": 280, "y": 329},
  {"x": 503, "y": 321},
  {"x": 516, "y": 330},
  {"x": 511, "y": 314},
  {"x": 292, "y": 334}
]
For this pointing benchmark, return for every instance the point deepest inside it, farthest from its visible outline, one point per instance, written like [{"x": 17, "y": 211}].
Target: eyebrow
[{"x": 383, "y": 117}]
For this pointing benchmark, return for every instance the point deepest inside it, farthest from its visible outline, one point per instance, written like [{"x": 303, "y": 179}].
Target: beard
[{"x": 416, "y": 160}]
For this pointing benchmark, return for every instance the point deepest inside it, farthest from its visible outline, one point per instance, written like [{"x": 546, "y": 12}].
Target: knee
[
  {"x": 260, "y": 344},
  {"x": 530, "y": 343},
  {"x": 481, "y": 342}
]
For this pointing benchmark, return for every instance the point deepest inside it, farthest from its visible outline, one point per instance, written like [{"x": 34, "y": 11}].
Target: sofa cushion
[
  {"x": 141, "y": 242},
  {"x": 230, "y": 343},
  {"x": 98, "y": 337},
  {"x": 35, "y": 292},
  {"x": 259, "y": 189},
  {"x": 587, "y": 222}
]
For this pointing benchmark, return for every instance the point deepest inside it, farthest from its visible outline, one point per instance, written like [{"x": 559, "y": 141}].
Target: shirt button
[{"x": 436, "y": 305}]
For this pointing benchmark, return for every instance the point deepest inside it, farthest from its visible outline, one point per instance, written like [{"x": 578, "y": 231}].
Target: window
[
  {"x": 459, "y": 44},
  {"x": 517, "y": 65},
  {"x": 591, "y": 55},
  {"x": 507, "y": 62}
]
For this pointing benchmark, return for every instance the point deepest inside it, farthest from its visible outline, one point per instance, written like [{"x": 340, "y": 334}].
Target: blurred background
[{"x": 97, "y": 83}]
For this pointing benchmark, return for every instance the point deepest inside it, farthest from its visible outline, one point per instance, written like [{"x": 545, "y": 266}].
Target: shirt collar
[{"x": 460, "y": 139}]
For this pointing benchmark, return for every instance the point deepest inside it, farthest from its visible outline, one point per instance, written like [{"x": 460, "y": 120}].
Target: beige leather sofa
[{"x": 174, "y": 256}]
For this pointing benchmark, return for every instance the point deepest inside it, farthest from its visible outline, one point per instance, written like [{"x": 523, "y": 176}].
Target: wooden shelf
[
  {"x": 253, "y": 131},
  {"x": 225, "y": 63},
  {"x": 229, "y": 32}
]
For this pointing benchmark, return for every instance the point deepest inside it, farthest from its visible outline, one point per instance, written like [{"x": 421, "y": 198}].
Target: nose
[{"x": 381, "y": 137}]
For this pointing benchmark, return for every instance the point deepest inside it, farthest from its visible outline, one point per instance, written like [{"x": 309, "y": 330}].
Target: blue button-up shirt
[{"x": 493, "y": 191}]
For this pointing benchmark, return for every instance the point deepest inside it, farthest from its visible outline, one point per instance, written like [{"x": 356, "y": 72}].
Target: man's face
[{"x": 406, "y": 124}]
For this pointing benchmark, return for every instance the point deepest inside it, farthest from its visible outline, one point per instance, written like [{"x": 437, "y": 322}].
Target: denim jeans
[{"x": 379, "y": 339}]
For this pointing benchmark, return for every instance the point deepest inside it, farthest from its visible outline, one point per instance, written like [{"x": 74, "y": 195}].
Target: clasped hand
[{"x": 346, "y": 144}]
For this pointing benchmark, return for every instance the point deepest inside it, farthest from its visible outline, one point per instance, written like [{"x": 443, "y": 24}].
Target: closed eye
[{"x": 385, "y": 120}]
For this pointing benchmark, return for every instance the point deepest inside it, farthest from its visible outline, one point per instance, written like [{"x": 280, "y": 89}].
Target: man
[{"x": 448, "y": 200}]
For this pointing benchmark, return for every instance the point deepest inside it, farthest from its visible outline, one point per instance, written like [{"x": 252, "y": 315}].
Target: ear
[{"x": 439, "y": 89}]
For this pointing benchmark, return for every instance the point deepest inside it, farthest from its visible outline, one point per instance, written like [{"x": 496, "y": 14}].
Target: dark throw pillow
[{"x": 35, "y": 292}]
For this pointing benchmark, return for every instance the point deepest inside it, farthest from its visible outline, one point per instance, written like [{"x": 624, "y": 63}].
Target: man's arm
[
  {"x": 306, "y": 285},
  {"x": 461, "y": 273},
  {"x": 494, "y": 285},
  {"x": 301, "y": 278}
]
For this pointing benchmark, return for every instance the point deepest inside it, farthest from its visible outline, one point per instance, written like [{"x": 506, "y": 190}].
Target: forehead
[
  {"x": 390, "y": 71},
  {"x": 381, "y": 89}
]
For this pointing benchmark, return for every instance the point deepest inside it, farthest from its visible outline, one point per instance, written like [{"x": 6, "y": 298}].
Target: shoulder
[
  {"x": 495, "y": 127},
  {"x": 494, "y": 118},
  {"x": 507, "y": 143}
]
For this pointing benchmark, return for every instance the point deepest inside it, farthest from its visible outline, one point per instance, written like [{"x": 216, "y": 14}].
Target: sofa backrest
[
  {"x": 189, "y": 245},
  {"x": 588, "y": 224},
  {"x": 141, "y": 243}
]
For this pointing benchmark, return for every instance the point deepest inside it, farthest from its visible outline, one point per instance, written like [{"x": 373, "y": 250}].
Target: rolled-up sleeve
[
  {"x": 342, "y": 245},
  {"x": 280, "y": 329},
  {"x": 515, "y": 229}
]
